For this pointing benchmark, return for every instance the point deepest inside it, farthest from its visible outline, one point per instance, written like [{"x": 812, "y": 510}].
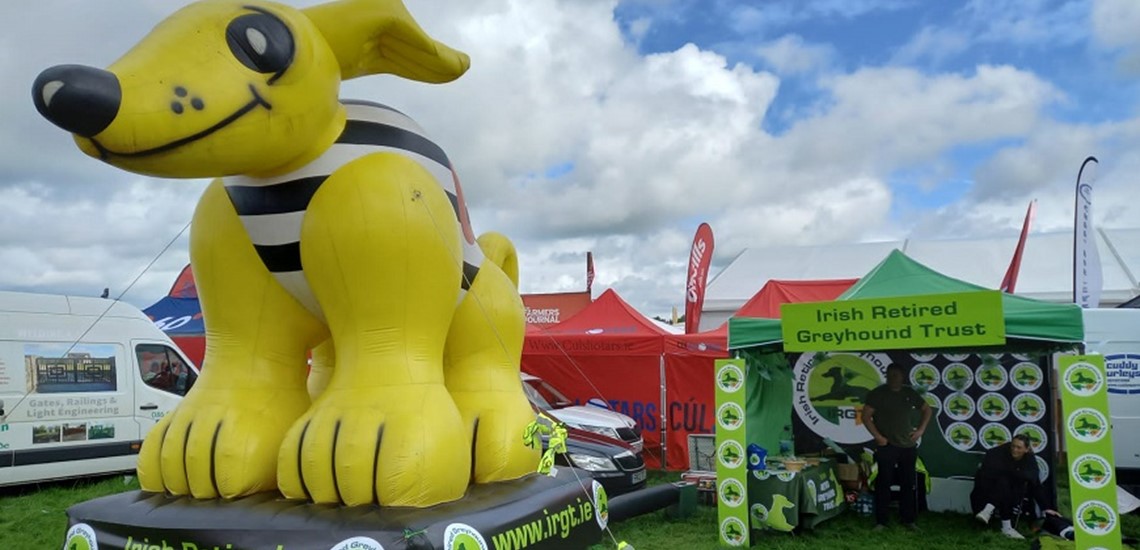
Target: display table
[{"x": 783, "y": 500}]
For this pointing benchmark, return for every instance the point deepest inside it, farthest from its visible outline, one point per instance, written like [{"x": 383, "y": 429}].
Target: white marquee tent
[{"x": 1046, "y": 269}]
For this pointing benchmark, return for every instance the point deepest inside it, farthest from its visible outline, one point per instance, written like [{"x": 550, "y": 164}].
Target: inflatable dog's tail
[{"x": 497, "y": 248}]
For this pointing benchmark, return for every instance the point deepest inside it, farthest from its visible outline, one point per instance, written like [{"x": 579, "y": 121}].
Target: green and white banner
[
  {"x": 1084, "y": 399},
  {"x": 731, "y": 460}
]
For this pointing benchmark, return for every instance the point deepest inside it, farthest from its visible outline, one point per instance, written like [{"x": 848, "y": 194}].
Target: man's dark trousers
[{"x": 887, "y": 458}]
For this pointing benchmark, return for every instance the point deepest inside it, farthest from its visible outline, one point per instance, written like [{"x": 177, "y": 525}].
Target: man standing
[
  {"x": 896, "y": 416},
  {"x": 1007, "y": 475}
]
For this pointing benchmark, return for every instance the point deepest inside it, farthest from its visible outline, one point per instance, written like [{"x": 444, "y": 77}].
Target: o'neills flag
[
  {"x": 1010, "y": 280},
  {"x": 699, "y": 259},
  {"x": 1087, "y": 278},
  {"x": 589, "y": 271}
]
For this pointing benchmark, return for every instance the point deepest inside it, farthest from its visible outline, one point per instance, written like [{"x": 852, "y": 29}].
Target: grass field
[
  {"x": 33, "y": 518},
  {"x": 847, "y": 532}
]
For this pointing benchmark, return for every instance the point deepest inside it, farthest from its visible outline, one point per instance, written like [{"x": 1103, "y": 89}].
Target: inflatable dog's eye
[{"x": 261, "y": 42}]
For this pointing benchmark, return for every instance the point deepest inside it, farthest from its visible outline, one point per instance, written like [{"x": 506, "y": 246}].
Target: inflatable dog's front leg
[
  {"x": 484, "y": 347},
  {"x": 381, "y": 252},
  {"x": 223, "y": 438}
]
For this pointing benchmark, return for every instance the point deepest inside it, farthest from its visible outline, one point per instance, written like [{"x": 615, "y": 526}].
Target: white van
[
  {"x": 82, "y": 380},
  {"x": 591, "y": 418},
  {"x": 1115, "y": 333}
]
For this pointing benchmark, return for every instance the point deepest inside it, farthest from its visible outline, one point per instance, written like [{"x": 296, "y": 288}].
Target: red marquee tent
[{"x": 608, "y": 350}]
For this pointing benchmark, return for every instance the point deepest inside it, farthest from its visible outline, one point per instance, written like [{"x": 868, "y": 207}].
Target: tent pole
[{"x": 664, "y": 410}]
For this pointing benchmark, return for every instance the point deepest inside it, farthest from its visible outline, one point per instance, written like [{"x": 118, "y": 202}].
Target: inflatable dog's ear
[{"x": 380, "y": 36}]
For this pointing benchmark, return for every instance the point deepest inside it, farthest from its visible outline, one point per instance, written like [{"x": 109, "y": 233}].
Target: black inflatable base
[{"x": 533, "y": 512}]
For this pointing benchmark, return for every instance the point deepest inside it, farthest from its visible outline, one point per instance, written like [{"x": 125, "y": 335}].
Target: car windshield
[{"x": 536, "y": 398}]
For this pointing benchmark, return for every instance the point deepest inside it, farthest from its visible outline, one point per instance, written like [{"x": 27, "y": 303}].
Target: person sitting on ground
[{"x": 1007, "y": 475}]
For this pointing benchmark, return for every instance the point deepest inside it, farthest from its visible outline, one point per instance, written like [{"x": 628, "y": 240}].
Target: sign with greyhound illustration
[{"x": 1088, "y": 435}]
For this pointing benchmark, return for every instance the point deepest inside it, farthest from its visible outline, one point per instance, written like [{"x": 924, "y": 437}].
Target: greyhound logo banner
[
  {"x": 829, "y": 391},
  {"x": 730, "y": 378},
  {"x": 924, "y": 377},
  {"x": 1091, "y": 471},
  {"x": 1083, "y": 380},
  {"x": 731, "y": 492},
  {"x": 601, "y": 505},
  {"x": 962, "y": 436},
  {"x": 81, "y": 537},
  {"x": 1028, "y": 407},
  {"x": 731, "y": 471},
  {"x": 1096, "y": 518},
  {"x": 958, "y": 377},
  {"x": 1026, "y": 376},
  {"x": 959, "y": 406},
  {"x": 1088, "y": 435},
  {"x": 758, "y": 515},
  {"x": 992, "y": 378},
  {"x": 730, "y": 416},
  {"x": 1087, "y": 425},
  {"x": 994, "y": 434},
  {"x": 993, "y": 407},
  {"x": 1042, "y": 468},
  {"x": 358, "y": 543},
  {"x": 733, "y": 532},
  {"x": 460, "y": 536},
  {"x": 731, "y": 454}
]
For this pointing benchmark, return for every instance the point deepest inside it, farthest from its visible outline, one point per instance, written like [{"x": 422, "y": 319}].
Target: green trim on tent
[{"x": 899, "y": 275}]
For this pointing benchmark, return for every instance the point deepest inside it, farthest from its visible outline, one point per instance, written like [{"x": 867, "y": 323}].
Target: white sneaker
[
  {"x": 986, "y": 513},
  {"x": 1011, "y": 533}
]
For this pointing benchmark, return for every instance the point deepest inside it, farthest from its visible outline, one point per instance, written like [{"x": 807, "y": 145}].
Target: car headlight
[
  {"x": 592, "y": 463},
  {"x": 601, "y": 430}
]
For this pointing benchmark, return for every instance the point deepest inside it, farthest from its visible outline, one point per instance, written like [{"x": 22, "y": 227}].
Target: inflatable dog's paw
[
  {"x": 502, "y": 420},
  {"x": 389, "y": 444},
  {"x": 222, "y": 443}
]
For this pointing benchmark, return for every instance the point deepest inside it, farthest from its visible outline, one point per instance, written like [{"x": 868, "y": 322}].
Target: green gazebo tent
[
  {"x": 899, "y": 275},
  {"x": 1029, "y": 324}
]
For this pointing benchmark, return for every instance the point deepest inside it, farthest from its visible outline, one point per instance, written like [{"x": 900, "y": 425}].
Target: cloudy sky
[{"x": 618, "y": 126}]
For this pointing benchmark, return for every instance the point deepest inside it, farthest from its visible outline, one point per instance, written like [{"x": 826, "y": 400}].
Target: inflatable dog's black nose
[{"x": 81, "y": 100}]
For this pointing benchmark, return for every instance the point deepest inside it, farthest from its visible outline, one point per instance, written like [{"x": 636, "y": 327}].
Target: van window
[{"x": 163, "y": 369}]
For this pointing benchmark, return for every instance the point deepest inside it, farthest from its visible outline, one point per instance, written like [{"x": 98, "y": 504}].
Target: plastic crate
[{"x": 702, "y": 452}]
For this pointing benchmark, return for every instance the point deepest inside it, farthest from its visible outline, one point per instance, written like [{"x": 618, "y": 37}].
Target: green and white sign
[
  {"x": 731, "y": 464},
  {"x": 1084, "y": 399},
  {"x": 931, "y": 321}
]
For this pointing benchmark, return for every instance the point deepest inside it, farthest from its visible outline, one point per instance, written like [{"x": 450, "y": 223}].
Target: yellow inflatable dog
[{"x": 334, "y": 225}]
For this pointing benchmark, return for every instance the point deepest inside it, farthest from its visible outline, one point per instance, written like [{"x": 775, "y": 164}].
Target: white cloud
[
  {"x": 1114, "y": 24},
  {"x": 750, "y": 17},
  {"x": 791, "y": 55},
  {"x": 654, "y": 145},
  {"x": 882, "y": 119},
  {"x": 1041, "y": 23},
  {"x": 934, "y": 43},
  {"x": 639, "y": 27}
]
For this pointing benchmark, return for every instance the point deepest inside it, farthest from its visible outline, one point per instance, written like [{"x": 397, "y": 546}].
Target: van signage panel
[{"x": 1123, "y": 373}]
